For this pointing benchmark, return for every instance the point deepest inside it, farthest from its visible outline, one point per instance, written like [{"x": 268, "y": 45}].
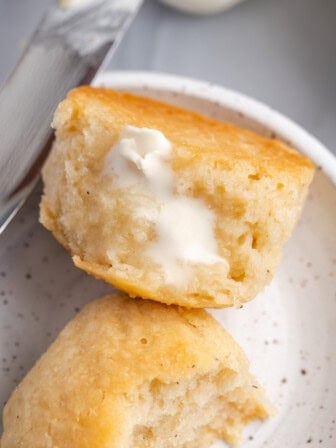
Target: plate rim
[{"x": 234, "y": 100}]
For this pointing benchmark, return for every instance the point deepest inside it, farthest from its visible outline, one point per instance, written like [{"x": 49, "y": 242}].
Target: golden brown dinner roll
[
  {"x": 167, "y": 204},
  {"x": 130, "y": 373}
]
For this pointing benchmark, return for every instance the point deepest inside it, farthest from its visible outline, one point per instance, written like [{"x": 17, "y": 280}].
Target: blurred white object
[
  {"x": 201, "y": 6},
  {"x": 122, "y": 4},
  {"x": 72, "y": 3}
]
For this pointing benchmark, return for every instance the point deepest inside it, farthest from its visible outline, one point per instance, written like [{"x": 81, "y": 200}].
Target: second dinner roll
[
  {"x": 167, "y": 204},
  {"x": 128, "y": 373}
]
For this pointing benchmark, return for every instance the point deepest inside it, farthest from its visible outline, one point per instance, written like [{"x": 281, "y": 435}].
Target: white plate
[{"x": 288, "y": 332}]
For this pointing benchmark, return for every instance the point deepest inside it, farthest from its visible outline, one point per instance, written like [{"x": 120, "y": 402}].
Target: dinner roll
[
  {"x": 167, "y": 204},
  {"x": 128, "y": 373}
]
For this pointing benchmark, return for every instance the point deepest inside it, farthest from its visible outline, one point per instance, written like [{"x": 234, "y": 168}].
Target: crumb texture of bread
[
  {"x": 131, "y": 373},
  {"x": 254, "y": 187}
]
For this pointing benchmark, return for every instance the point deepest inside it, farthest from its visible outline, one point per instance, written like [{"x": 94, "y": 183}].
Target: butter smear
[{"x": 184, "y": 225}]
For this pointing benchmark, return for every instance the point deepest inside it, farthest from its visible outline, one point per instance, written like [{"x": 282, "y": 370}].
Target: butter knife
[{"x": 66, "y": 50}]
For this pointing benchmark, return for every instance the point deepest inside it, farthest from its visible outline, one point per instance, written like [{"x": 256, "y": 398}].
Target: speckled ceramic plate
[{"x": 288, "y": 331}]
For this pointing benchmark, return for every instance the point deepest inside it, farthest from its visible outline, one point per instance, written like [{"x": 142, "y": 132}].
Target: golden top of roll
[{"x": 128, "y": 373}]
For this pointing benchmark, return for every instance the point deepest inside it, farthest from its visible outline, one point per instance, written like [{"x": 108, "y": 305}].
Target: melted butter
[{"x": 184, "y": 225}]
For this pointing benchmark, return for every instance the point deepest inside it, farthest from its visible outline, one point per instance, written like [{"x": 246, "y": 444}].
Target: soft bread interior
[{"x": 194, "y": 413}]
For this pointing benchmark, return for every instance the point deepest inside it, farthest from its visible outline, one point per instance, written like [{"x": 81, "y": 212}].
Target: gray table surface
[{"x": 282, "y": 52}]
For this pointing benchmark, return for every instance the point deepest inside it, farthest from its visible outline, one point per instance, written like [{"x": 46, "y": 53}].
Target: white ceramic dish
[
  {"x": 201, "y": 6},
  {"x": 288, "y": 332}
]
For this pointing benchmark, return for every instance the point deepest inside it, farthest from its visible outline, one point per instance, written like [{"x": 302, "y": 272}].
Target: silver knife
[{"x": 66, "y": 50}]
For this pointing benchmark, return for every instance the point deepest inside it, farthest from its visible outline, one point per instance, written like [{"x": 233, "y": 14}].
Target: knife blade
[{"x": 66, "y": 50}]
